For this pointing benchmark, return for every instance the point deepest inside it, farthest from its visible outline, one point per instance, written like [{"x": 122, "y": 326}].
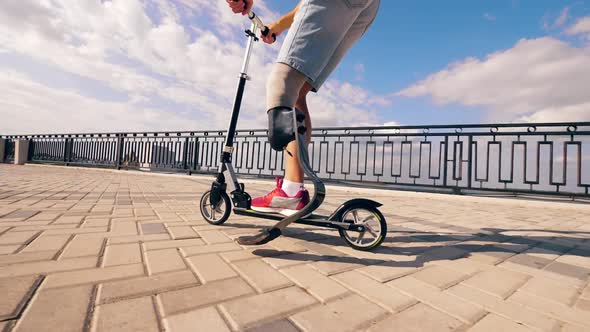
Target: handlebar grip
[
  {"x": 265, "y": 32},
  {"x": 245, "y": 3}
]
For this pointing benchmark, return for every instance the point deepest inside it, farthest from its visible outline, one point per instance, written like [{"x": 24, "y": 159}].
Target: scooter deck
[
  {"x": 313, "y": 219},
  {"x": 275, "y": 216}
]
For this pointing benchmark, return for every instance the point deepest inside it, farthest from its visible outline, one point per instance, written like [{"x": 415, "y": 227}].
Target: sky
[{"x": 75, "y": 66}]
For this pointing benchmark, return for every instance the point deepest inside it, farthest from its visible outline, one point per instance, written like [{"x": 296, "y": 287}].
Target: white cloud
[
  {"x": 582, "y": 26},
  {"x": 562, "y": 18},
  {"x": 537, "y": 80},
  {"x": 29, "y": 107},
  {"x": 146, "y": 49}
]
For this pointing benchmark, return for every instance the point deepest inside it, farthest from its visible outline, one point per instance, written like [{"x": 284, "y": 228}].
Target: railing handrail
[{"x": 317, "y": 129}]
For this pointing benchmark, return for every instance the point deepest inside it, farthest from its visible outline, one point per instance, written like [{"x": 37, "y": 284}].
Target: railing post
[
  {"x": 445, "y": 161},
  {"x": 67, "y": 152},
  {"x": 469, "y": 161},
  {"x": 185, "y": 154},
  {"x": 196, "y": 156},
  {"x": 119, "y": 151},
  {"x": 2, "y": 149},
  {"x": 21, "y": 151}
]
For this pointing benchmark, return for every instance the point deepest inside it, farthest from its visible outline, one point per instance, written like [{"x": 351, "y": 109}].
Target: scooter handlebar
[{"x": 264, "y": 30}]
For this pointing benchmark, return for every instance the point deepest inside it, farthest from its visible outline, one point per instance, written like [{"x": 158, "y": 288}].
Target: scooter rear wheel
[
  {"x": 374, "y": 223},
  {"x": 215, "y": 215}
]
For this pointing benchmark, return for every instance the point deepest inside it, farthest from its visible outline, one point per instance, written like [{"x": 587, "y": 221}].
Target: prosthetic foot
[
  {"x": 286, "y": 125},
  {"x": 266, "y": 235}
]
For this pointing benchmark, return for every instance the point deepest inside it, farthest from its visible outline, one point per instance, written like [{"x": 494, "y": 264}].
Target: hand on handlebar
[
  {"x": 270, "y": 36},
  {"x": 240, "y": 6}
]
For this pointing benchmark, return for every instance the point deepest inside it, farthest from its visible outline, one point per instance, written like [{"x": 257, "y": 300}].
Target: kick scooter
[{"x": 358, "y": 221}]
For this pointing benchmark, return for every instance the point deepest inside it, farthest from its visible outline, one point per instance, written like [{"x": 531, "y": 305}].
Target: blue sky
[
  {"x": 412, "y": 39},
  {"x": 80, "y": 66}
]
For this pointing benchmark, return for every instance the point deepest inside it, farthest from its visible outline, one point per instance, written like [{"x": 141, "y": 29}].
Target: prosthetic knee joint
[{"x": 283, "y": 124}]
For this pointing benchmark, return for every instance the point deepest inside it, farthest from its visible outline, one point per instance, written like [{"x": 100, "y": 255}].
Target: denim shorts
[{"x": 321, "y": 34}]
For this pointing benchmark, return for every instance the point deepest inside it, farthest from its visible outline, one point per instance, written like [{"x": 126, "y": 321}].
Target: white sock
[{"x": 291, "y": 188}]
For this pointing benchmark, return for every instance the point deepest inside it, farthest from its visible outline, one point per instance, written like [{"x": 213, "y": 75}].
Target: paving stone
[
  {"x": 188, "y": 243},
  {"x": 543, "y": 274},
  {"x": 577, "y": 257},
  {"x": 69, "y": 231},
  {"x": 448, "y": 252},
  {"x": 212, "y": 237},
  {"x": 556, "y": 310},
  {"x": 15, "y": 292},
  {"x": 389, "y": 271},
  {"x": 508, "y": 309},
  {"x": 82, "y": 246},
  {"x": 15, "y": 237},
  {"x": 573, "y": 328},
  {"x": 234, "y": 256},
  {"x": 465, "y": 265},
  {"x": 158, "y": 261},
  {"x": 281, "y": 325},
  {"x": 451, "y": 305},
  {"x": 120, "y": 254},
  {"x": 347, "y": 314},
  {"x": 43, "y": 267},
  {"x": 130, "y": 315},
  {"x": 206, "y": 319},
  {"x": 9, "y": 249},
  {"x": 318, "y": 285},
  {"x": 27, "y": 257},
  {"x": 282, "y": 261},
  {"x": 493, "y": 255},
  {"x": 62, "y": 309},
  {"x": 68, "y": 220},
  {"x": 249, "y": 311},
  {"x": 287, "y": 244},
  {"x": 124, "y": 227},
  {"x": 143, "y": 286},
  {"x": 418, "y": 318},
  {"x": 583, "y": 304},
  {"x": 21, "y": 215},
  {"x": 498, "y": 281},
  {"x": 182, "y": 232},
  {"x": 439, "y": 276},
  {"x": 387, "y": 297},
  {"x": 551, "y": 289},
  {"x": 261, "y": 276},
  {"x": 147, "y": 229},
  {"x": 199, "y": 296},
  {"x": 569, "y": 270},
  {"x": 44, "y": 243},
  {"x": 94, "y": 275},
  {"x": 535, "y": 262},
  {"x": 103, "y": 222},
  {"x": 210, "y": 249},
  {"x": 138, "y": 238},
  {"x": 211, "y": 268},
  {"x": 493, "y": 322}
]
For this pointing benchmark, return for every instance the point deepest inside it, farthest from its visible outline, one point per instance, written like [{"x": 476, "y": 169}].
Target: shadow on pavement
[{"x": 410, "y": 248}]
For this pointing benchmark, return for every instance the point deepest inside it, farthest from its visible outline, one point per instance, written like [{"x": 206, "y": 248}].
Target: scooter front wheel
[
  {"x": 375, "y": 227},
  {"x": 215, "y": 215}
]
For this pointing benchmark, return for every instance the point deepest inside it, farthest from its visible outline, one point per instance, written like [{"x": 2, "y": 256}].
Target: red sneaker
[{"x": 278, "y": 202}]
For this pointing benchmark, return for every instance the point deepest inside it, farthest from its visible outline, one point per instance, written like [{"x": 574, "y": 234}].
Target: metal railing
[
  {"x": 541, "y": 158},
  {"x": 8, "y": 151}
]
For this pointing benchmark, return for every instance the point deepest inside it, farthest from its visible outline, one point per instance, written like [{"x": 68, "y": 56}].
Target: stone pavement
[{"x": 100, "y": 250}]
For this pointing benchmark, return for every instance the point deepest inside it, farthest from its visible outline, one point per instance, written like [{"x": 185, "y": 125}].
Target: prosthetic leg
[{"x": 284, "y": 125}]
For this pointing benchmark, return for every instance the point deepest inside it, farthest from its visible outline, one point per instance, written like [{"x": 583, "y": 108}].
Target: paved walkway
[{"x": 121, "y": 251}]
